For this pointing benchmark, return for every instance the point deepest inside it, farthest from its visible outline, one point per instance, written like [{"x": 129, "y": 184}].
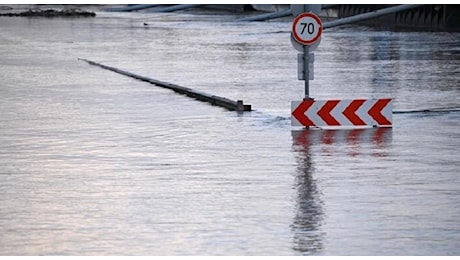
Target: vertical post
[
  {"x": 239, "y": 106},
  {"x": 306, "y": 70},
  {"x": 444, "y": 18}
]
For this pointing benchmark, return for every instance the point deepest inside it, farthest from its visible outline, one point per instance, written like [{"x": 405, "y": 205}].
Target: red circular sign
[{"x": 307, "y": 28}]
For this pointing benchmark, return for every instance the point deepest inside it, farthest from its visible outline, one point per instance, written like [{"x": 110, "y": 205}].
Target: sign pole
[{"x": 306, "y": 70}]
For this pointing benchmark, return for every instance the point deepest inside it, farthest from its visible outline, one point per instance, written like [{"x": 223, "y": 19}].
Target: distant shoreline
[
  {"x": 73, "y": 12},
  {"x": 20, "y": 8}
]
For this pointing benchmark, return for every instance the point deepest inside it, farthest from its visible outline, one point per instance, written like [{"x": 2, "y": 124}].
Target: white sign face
[{"x": 307, "y": 28}]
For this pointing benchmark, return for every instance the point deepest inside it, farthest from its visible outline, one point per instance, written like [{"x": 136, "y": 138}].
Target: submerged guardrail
[{"x": 199, "y": 95}]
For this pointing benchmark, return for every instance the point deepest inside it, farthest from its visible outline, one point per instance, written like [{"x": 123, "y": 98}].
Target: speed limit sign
[{"x": 307, "y": 28}]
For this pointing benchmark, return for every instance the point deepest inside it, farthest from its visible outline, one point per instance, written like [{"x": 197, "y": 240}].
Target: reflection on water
[
  {"x": 306, "y": 226},
  {"x": 375, "y": 135},
  {"x": 307, "y": 223}
]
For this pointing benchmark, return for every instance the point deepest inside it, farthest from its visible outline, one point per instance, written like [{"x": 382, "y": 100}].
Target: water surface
[{"x": 96, "y": 163}]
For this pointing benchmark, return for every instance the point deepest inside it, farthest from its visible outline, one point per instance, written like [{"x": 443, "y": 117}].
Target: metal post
[
  {"x": 444, "y": 17},
  {"x": 306, "y": 70}
]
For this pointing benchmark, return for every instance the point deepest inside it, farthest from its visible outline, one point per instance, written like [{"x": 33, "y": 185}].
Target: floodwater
[{"x": 97, "y": 163}]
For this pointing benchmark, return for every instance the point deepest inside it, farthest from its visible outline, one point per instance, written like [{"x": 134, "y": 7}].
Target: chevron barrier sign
[{"x": 354, "y": 113}]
